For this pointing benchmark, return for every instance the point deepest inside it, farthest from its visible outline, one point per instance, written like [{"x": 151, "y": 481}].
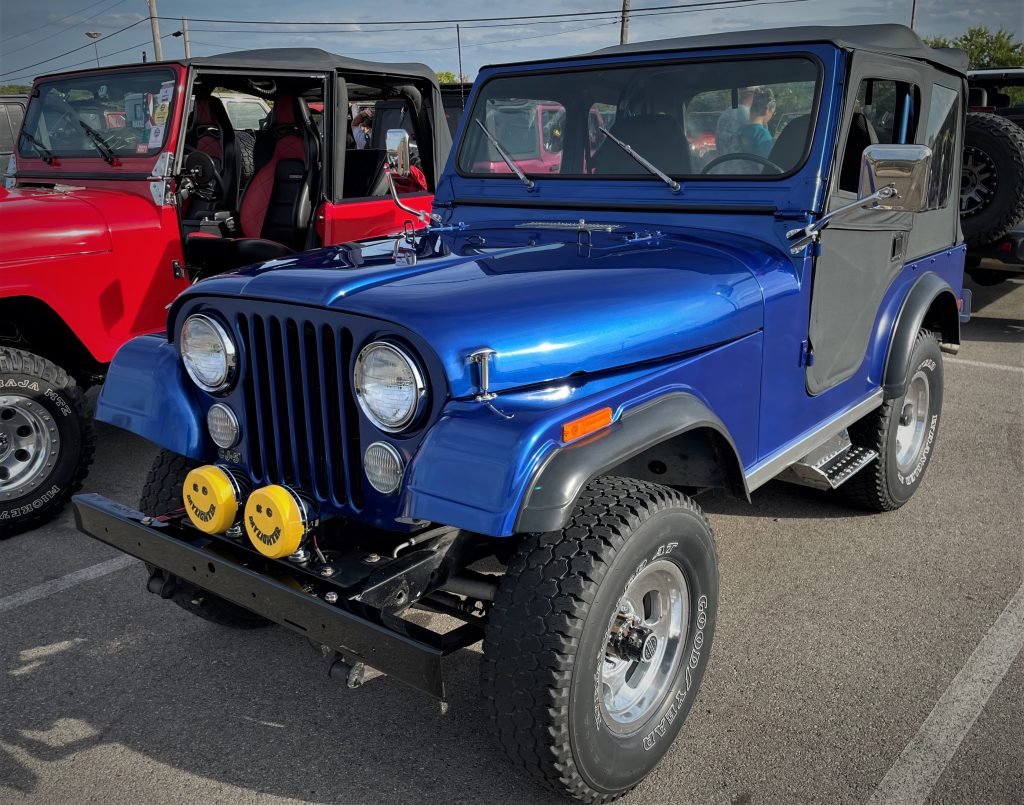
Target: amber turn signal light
[{"x": 586, "y": 424}]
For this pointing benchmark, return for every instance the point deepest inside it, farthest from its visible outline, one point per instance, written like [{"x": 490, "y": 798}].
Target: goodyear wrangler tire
[
  {"x": 902, "y": 432},
  {"x": 161, "y": 494},
  {"x": 46, "y": 440},
  {"x": 581, "y": 694}
]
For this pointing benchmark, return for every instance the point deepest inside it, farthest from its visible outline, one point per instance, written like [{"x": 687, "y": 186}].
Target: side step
[{"x": 831, "y": 465}]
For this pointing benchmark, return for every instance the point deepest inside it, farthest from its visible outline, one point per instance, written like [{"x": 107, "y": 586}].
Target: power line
[
  {"x": 73, "y": 50},
  {"x": 58, "y": 22},
  {"x": 616, "y": 12},
  {"x": 65, "y": 29},
  {"x": 89, "y": 61}
]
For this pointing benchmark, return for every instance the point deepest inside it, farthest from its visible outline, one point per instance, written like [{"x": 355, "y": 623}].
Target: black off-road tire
[
  {"x": 547, "y": 634},
  {"x": 49, "y": 392},
  {"x": 883, "y": 485},
  {"x": 993, "y": 147},
  {"x": 245, "y": 145},
  {"x": 161, "y": 495}
]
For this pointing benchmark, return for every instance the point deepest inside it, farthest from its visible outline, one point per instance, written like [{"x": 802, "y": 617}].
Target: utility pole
[
  {"x": 624, "y": 30},
  {"x": 184, "y": 34},
  {"x": 154, "y": 23},
  {"x": 462, "y": 89}
]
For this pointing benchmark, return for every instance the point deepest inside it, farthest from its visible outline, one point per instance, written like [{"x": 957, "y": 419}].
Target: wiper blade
[
  {"x": 639, "y": 159},
  {"x": 45, "y": 153},
  {"x": 526, "y": 180},
  {"x": 97, "y": 139}
]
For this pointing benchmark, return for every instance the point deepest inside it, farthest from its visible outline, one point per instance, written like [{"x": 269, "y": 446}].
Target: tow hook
[
  {"x": 339, "y": 668},
  {"x": 159, "y": 584}
]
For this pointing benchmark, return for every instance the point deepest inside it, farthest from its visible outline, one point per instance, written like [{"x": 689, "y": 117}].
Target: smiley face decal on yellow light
[
  {"x": 211, "y": 498},
  {"x": 275, "y": 520}
]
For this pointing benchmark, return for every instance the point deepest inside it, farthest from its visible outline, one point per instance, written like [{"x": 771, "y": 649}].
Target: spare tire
[{"x": 992, "y": 178}]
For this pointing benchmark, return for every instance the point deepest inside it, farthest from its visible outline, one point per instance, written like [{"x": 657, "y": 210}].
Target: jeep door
[{"x": 864, "y": 252}]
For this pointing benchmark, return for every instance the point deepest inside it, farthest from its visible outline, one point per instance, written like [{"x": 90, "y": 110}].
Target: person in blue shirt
[{"x": 754, "y": 137}]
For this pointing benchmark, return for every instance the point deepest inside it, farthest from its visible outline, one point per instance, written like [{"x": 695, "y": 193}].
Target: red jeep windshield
[
  {"x": 726, "y": 118},
  {"x": 128, "y": 110}
]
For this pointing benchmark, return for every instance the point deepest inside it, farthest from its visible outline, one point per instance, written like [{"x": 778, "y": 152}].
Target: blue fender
[{"x": 148, "y": 393}]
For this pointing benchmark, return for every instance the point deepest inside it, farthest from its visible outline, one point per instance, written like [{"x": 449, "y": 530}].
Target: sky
[{"x": 32, "y": 34}]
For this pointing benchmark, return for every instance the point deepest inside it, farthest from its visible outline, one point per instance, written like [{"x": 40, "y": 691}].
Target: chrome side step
[{"x": 830, "y": 465}]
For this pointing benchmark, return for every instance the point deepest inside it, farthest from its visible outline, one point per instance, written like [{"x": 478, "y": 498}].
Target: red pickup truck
[{"x": 127, "y": 184}]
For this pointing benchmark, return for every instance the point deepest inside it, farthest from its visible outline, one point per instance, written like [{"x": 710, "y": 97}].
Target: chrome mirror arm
[
  {"x": 423, "y": 216},
  {"x": 812, "y": 232}
]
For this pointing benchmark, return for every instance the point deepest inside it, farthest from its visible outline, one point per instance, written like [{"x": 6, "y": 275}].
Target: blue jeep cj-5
[{"x": 504, "y": 414}]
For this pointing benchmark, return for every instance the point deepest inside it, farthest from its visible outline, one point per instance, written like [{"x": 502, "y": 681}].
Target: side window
[
  {"x": 940, "y": 136},
  {"x": 884, "y": 112},
  {"x": 6, "y": 130}
]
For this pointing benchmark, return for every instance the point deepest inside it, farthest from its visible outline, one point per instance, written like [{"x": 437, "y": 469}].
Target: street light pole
[{"x": 94, "y": 35}]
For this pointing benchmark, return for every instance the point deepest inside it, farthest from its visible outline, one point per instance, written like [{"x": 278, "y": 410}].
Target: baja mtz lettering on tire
[{"x": 922, "y": 460}]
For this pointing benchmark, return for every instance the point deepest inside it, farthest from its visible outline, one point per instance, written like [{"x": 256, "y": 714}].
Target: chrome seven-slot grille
[{"x": 303, "y": 429}]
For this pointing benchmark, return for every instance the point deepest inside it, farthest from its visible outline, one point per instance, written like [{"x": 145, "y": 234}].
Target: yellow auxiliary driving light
[
  {"x": 213, "y": 495},
  {"x": 277, "y": 520}
]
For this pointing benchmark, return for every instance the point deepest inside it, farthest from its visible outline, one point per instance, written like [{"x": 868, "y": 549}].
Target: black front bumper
[{"x": 404, "y": 650}]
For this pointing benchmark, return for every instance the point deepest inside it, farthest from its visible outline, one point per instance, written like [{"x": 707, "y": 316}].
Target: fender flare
[
  {"x": 930, "y": 301},
  {"x": 557, "y": 483}
]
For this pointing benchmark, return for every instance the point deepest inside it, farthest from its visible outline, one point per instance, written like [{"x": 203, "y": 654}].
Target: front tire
[
  {"x": 46, "y": 440},
  {"x": 902, "y": 432},
  {"x": 581, "y": 694},
  {"x": 161, "y": 495}
]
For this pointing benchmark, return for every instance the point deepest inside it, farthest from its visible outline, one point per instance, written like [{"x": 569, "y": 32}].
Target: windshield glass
[
  {"x": 715, "y": 119},
  {"x": 129, "y": 110}
]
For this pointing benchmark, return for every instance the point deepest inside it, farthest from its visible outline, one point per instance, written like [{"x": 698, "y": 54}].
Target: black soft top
[
  {"x": 309, "y": 59},
  {"x": 896, "y": 40}
]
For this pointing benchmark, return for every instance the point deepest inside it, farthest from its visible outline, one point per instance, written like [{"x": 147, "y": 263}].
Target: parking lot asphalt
[{"x": 842, "y": 636}]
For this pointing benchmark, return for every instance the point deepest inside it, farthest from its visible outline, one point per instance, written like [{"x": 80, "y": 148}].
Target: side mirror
[
  {"x": 905, "y": 168},
  {"x": 397, "y": 144}
]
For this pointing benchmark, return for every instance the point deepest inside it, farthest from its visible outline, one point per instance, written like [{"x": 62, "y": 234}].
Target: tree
[
  {"x": 984, "y": 48},
  {"x": 446, "y": 76},
  {"x": 14, "y": 89}
]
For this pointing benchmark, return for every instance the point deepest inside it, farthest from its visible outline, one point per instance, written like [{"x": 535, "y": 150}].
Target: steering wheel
[
  {"x": 200, "y": 169},
  {"x": 740, "y": 155}
]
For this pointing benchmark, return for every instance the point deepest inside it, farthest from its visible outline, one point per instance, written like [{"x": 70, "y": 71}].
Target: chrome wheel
[
  {"x": 29, "y": 445},
  {"x": 913, "y": 423},
  {"x": 978, "y": 181},
  {"x": 644, "y": 647}
]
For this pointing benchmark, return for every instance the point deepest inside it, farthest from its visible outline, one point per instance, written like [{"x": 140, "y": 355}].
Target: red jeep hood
[{"x": 36, "y": 223}]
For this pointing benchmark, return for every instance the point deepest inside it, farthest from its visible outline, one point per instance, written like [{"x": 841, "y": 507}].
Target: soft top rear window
[
  {"x": 713, "y": 119},
  {"x": 124, "y": 114}
]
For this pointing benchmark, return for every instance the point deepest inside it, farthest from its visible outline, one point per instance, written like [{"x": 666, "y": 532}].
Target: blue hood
[{"x": 549, "y": 308}]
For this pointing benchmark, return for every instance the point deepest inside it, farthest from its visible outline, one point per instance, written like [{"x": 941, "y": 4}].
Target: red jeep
[{"x": 127, "y": 184}]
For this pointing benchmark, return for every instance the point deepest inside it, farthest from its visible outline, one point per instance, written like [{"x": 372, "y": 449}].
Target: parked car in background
[
  {"x": 129, "y": 183},
  {"x": 12, "y": 110},
  {"x": 992, "y": 188},
  {"x": 503, "y": 415},
  {"x": 453, "y": 96}
]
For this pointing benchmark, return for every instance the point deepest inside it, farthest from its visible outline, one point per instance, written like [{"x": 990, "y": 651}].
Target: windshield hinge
[
  {"x": 806, "y": 354},
  {"x": 790, "y": 215}
]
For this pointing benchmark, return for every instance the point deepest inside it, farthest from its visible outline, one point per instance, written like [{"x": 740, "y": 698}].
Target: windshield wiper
[
  {"x": 650, "y": 168},
  {"x": 526, "y": 180},
  {"x": 97, "y": 139},
  {"x": 45, "y": 153}
]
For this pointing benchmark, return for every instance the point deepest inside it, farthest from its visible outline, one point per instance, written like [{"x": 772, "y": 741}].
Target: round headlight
[
  {"x": 389, "y": 386},
  {"x": 223, "y": 425},
  {"x": 384, "y": 467},
  {"x": 208, "y": 352}
]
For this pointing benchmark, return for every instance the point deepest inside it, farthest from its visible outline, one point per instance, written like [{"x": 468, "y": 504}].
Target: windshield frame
[
  {"x": 36, "y": 101},
  {"x": 659, "y": 60}
]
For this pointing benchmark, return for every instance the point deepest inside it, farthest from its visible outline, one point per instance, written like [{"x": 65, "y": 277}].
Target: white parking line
[
  {"x": 983, "y": 365},
  {"x": 64, "y": 582},
  {"x": 917, "y": 770}
]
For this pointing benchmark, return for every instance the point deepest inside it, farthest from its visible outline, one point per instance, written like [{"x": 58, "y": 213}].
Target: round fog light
[
  {"x": 223, "y": 425},
  {"x": 383, "y": 466}
]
